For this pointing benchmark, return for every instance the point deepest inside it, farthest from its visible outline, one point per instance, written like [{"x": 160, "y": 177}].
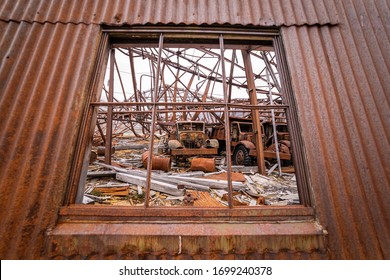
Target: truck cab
[
  {"x": 243, "y": 144},
  {"x": 190, "y": 138}
]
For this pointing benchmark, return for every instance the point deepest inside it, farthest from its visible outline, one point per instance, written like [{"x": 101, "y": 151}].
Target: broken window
[{"x": 191, "y": 118}]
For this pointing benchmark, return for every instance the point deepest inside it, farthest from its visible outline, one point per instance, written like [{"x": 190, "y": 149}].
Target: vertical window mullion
[
  {"x": 271, "y": 102},
  {"x": 153, "y": 122},
  {"x": 108, "y": 143},
  {"x": 227, "y": 124}
]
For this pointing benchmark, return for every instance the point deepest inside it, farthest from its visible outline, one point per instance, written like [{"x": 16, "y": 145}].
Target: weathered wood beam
[{"x": 154, "y": 184}]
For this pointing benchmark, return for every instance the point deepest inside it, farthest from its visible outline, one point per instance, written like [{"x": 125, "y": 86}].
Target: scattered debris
[
  {"x": 101, "y": 174},
  {"x": 124, "y": 182},
  {"x": 154, "y": 184},
  {"x": 189, "y": 199}
]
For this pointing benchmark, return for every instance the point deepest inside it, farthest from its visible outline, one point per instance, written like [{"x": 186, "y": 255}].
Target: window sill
[
  {"x": 185, "y": 214},
  {"x": 82, "y": 235}
]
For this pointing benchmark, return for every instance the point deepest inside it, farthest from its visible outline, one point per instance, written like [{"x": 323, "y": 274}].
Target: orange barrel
[
  {"x": 144, "y": 158},
  {"x": 203, "y": 164},
  {"x": 158, "y": 163},
  {"x": 161, "y": 163}
]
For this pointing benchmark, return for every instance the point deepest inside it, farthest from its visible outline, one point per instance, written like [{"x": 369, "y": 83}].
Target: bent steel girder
[{"x": 180, "y": 67}]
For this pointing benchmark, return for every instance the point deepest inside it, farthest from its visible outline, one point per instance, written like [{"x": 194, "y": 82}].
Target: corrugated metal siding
[
  {"x": 340, "y": 78},
  {"x": 242, "y": 12},
  {"x": 44, "y": 73}
]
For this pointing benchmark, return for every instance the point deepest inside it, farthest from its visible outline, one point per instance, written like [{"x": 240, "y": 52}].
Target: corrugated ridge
[
  {"x": 17, "y": 149},
  {"x": 63, "y": 105},
  {"x": 299, "y": 51},
  {"x": 340, "y": 84},
  {"x": 29, "y": 199},
  {"x": 38, "y": 141},
  {"x": 133, "y": 12},
  {"x": 377, "y": 108}
]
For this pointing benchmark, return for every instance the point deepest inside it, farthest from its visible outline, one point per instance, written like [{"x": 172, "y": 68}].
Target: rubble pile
[{"x": 124, "y": 181}]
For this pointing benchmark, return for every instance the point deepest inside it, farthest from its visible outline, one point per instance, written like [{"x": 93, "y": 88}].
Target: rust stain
[{"x": 203, "y": 199}]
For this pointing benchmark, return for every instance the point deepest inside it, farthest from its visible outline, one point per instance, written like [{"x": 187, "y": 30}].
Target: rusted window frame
[{"x": 71, "y": 211}]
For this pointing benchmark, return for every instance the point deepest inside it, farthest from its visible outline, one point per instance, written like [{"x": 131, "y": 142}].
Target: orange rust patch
[{"x": 204, "y": 199}]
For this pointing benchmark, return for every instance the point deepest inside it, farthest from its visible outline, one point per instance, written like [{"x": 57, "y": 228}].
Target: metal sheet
[
  {"x": 339, "y": 78},
  {"x": 45, "y": 71},
  {"x": 134, "y": 12},
  {"x": 187, "y": 241}
]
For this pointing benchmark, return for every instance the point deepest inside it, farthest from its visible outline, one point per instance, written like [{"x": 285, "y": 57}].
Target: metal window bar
[
  {"x": 227, "y": 126},
  {"x": 108, "y": 143},
  {"x": 299, "y": 157},
  {"x": 153, "y": 125},
  {"x": 271, "y": 101}
]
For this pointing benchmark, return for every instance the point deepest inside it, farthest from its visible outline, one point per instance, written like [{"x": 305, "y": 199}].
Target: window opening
[{"x": 199, "y": 122}]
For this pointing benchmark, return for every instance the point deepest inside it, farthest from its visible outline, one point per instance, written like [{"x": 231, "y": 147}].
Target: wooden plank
[
  {"x": 154, "y": 185},
  {"x": 217, "y": 184},
  {"x": 284, "y": 156},
  {"x": 249, "y": 179},
  {"x": 183, "y": 181},
  {"x": 272, "y": 169},
  {"x": 122, "y": 191},
  {"x": 191, "y": 174},
  {"x": 242, "y": 169},
  {"x": 118, "y": 169},
  {"x": 235, "y": 176},
  {"x": 109, "y": 185}
]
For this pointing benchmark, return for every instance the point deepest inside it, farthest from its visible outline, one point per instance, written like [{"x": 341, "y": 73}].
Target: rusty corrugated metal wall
[
  {"x": 44, "y": 78},
  {"x": 339, "y": 58},
  {"x": 120, "y": 12},
  {"x": 343, "y": 105}
]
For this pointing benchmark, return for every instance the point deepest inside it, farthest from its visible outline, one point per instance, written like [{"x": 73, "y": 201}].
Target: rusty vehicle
[
  {"x": 190, "y": 139},
  {"x": 284, "y": 144},
  {"x": 243, "y": 145}
]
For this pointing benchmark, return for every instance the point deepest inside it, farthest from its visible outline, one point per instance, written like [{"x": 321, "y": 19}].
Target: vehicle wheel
[{"x": 241, "y": 156}]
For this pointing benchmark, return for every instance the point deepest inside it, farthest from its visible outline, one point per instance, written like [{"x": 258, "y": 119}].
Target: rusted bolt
[{"x": 189, "y": 199}]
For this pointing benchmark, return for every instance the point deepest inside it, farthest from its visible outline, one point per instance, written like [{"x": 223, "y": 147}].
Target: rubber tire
[{"x": 243, "y": 154}]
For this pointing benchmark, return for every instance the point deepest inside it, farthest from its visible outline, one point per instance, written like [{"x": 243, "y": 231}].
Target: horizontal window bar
[{"x": 197, "y": 104}]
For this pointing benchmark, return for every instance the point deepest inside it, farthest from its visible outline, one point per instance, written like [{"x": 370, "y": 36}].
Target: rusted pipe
[{"x": 101, "y": 150}]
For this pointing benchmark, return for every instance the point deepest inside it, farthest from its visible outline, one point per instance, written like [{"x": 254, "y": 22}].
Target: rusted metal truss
[{"x": 188, "y": 78}]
